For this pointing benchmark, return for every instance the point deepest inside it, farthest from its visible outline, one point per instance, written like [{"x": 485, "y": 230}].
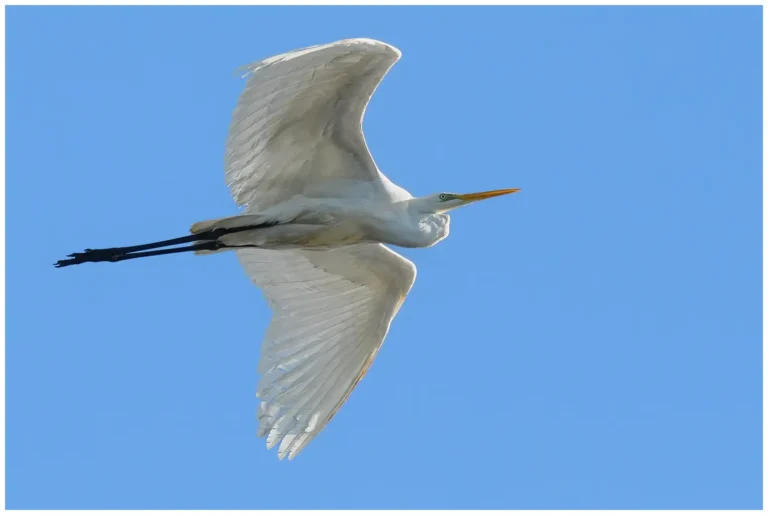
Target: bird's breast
[{"x": 412, "y": 232}]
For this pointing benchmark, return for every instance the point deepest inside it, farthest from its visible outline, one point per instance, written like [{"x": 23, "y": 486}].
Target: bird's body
[
  {"x": 333, "y": 222},
  {"x": 317, "y": 215}
]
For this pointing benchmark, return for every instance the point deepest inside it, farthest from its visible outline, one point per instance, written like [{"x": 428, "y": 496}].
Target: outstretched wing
[
  {"x": 331, "y": 312},
  {"x": 299, "y": 122}
]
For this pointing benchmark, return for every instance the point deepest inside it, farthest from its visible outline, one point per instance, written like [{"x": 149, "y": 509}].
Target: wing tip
[
  {"x": 371, "y": 42},
  {"x": 249, "y": 69}
]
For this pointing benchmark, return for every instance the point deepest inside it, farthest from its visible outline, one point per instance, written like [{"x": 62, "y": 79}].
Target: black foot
[{"x": 90, "y": 256}]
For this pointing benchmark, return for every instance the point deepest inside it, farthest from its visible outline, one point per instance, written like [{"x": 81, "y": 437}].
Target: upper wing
[
  {"x": 331, "y": 312},
  {"x": 299, "y": 121}
]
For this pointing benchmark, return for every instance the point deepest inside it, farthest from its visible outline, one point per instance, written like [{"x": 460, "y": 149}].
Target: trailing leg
[{"x": 208, "y": 238}]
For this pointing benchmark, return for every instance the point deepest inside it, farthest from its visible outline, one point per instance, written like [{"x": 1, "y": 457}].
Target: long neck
[
  {"x": 424, "y": 227},
  {"x": 422, "y": 206}
]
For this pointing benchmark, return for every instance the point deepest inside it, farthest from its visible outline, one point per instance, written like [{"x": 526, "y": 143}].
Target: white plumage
[
  {"x": 297, "y": 128},
  {"x": 331, "y": 312},
  {"x": 317, "y": 210},
  {"x": 299, "y": 123}
]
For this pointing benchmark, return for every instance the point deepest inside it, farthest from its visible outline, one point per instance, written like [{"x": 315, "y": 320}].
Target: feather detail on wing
[
  {"x": 299, "y": 122},
  {"x": 331, "y": 312}
]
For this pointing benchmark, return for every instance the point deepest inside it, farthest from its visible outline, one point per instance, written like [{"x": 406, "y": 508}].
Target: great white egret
[{"x": 318, "y": 212}]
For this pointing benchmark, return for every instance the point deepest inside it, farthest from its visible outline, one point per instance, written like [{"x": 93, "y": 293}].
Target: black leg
[
  {"x": 95, "y": 256},
  {"x": 106, "y": 253},
  {"x": 115, "y": 254}
]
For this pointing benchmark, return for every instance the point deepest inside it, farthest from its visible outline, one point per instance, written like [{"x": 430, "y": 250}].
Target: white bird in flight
[{"x": 318, "y": 213}]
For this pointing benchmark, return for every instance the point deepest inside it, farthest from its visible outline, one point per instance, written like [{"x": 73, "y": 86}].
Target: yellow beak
[{"x": 471, "y": 197}]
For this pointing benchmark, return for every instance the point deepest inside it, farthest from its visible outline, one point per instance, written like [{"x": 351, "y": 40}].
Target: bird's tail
[{"x": 228, "y": 222}]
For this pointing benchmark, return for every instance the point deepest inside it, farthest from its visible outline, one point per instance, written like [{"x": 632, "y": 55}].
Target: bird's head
[{"x": 444, "y": 202}]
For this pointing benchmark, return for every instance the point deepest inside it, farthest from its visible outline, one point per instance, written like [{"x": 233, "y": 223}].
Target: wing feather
[
  {"x": 331, "y": 313},
  {"x": 299, "y": 122}
]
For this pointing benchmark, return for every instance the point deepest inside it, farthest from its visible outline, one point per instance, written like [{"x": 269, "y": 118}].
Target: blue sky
[{"x": 592, "y": 342}]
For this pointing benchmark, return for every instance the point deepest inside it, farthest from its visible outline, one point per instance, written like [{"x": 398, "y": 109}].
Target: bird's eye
[{"x": 443, "y": 196}]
